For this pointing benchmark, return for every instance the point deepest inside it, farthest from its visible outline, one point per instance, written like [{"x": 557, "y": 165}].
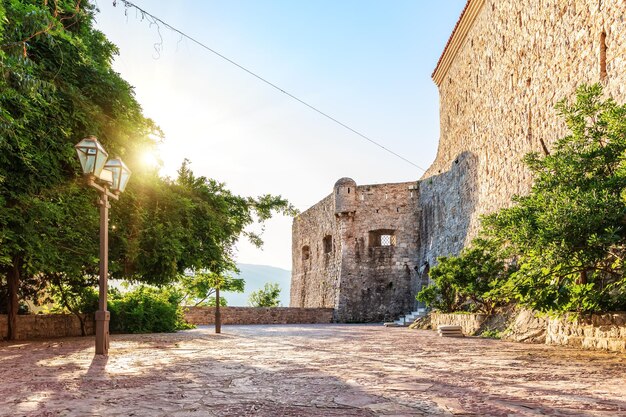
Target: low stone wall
[
  {"x": 470, "y": 323},
  {"x": 45, "y": 326},
  {"x": 259, "y": 315},
  {"x": 597, "y": 331}
]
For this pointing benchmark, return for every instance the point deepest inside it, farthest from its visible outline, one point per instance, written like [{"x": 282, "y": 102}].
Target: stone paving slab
[{"x": 306, "y": 371}]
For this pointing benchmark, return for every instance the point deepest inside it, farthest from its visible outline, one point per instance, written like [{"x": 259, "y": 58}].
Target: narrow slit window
[
  {"x": 306, "y": 253},
  {"x": 603, "y": 56}
]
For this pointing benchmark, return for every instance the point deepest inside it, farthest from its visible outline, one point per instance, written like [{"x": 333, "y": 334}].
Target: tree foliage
[
  {"x": 472, "y": 281},
  {"x": 200, "y": 287},
  {"x": 266, "y": 296},
  {"x": 147, "y": 309},
  {"x": 57, "y": 86},
  {"x": 568, "y": 233},
  {"x": 566, "y": 238}
]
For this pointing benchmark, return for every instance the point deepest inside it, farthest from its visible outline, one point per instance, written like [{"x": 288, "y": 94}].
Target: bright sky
[{"x": 365, "y": 62}]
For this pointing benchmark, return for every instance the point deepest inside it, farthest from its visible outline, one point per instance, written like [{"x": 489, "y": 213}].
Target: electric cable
[{"x": 144, "y": 13}]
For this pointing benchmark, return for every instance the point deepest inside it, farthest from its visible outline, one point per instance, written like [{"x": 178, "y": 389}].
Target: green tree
[
  {"x": 266, "y": 296},
  {"x": 56, "y": 87},
  {"x": 568, "y": 234},
  {"x": 475, "y": 280},
  {"x": 192, "y": 223},
  {"x": 201, "y": 287}
]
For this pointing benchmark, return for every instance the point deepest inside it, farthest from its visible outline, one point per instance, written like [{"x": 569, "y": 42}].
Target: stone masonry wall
[
  {"x": 315, "y": 280},
  {"x": 470, "y": 323},
  {"x": 44, "y": 326},
  {"x": 259, "y": 315},
  {"x": 598, "y": 331},
  {"x": 497, "y": 104},
  {"x": 378, "y": 282},
  {"x": 446, "y": 202}
]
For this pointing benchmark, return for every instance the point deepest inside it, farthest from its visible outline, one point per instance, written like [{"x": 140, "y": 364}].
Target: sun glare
[{"x": 150, "y": 160}]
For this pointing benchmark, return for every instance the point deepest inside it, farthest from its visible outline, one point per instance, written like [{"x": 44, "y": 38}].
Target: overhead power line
[{"x": 157, "y": 20}]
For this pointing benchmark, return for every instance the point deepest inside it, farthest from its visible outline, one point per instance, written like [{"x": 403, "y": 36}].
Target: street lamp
[{"x": 110, "y": 179}]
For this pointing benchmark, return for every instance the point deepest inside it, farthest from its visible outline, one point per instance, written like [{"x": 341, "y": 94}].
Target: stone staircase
[{"x": 407, "y": 319}]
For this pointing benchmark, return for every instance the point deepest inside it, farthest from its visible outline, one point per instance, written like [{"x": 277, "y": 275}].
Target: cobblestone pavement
[{"x": 307, "y": 370}]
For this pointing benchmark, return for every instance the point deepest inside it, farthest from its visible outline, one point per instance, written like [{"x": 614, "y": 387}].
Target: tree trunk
[
  {"x": 218, "y": 315},
  {"x": 582, "y": 279},
  {"x": 81, "y": 318},
  {"x": 13, "y": 281}
]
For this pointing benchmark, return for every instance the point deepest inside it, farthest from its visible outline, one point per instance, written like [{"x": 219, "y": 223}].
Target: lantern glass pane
[
  {"x": 124, "y": 180},
  {"x": 87, "y": 159},
  {"x": 91, "y": 155},
  {"x": 106, "y": 176},
  {"x": 121, "y": 174},
  {"x": 114, "y": 165},
  {"x": 101, "y": 158}
]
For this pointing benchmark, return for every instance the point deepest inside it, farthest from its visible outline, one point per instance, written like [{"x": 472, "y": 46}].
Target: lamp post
[{"x": 110, "y": 179}]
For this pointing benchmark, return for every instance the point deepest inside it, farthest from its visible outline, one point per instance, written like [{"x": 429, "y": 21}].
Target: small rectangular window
[
  {"x": 382, "y": 238},
  {"x": 387, "y": 240},
  {"x": 328, "y": 244}
]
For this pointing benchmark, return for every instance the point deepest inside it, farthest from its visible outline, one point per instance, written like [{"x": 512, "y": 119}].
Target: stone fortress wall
[
  {"x": 506, "y": 65},
  {"x": 316, "y": 283},
  {"x": 355, "y": 248}
]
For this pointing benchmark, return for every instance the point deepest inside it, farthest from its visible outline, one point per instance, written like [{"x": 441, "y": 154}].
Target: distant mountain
[{"x": 256, "y": 276}]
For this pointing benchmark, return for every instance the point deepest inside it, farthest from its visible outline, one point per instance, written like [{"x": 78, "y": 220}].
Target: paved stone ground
[{"x": 307, "y": 370}]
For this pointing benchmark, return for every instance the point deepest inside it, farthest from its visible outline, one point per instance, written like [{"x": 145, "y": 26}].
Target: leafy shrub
[
  {"x": 266, "y": 296},
  {"x": 568, "y": 233},
  {"x": 567, "y": 236},
  {"x": 77, "y": 300},
  {"x": 491, "y": 334},
  {"x": 147, "y": 310},
  {"x": 473, "y": 281}
]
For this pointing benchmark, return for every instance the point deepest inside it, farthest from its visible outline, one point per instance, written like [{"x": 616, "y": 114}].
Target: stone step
[
  {"x": 407, "y": 319},
  {"x": 450, "y": 331},
  {"x": 445, "y": 327}
]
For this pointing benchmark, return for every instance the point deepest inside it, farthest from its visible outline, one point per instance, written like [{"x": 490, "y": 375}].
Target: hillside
[{"x": 256, "y": 276}]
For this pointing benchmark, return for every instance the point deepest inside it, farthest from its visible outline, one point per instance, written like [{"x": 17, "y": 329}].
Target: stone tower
[
  {"x": 345, "y": 196},
  {"x": 354, "y": 251}
]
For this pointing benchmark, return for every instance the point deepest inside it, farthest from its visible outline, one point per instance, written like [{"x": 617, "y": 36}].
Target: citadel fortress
[{"x": 365, "y": 250}]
